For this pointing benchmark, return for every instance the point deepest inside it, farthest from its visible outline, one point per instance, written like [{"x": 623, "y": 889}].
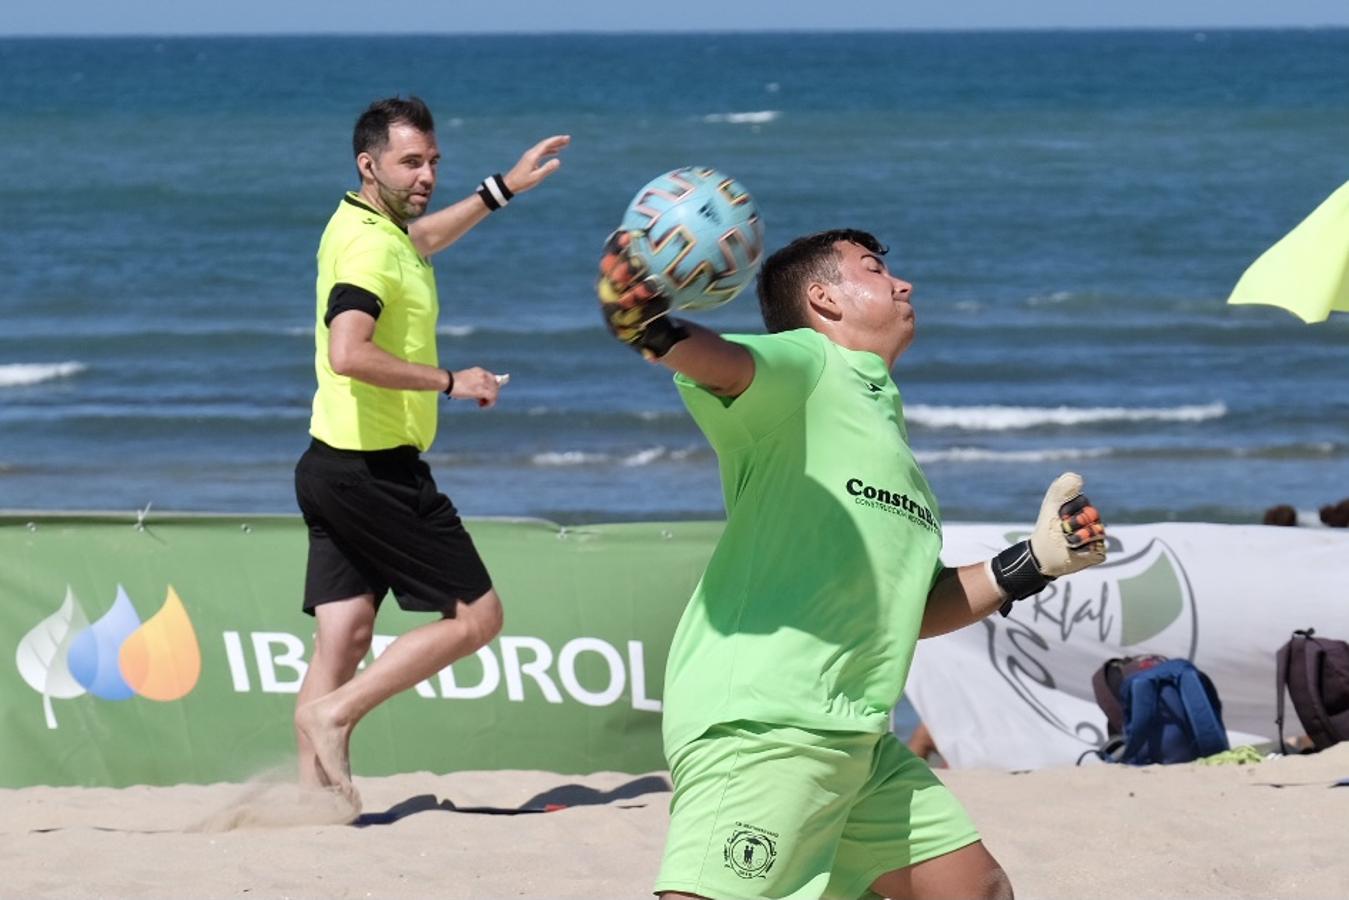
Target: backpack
[
  {"x": 1158, "y": 710},
  {"x": 1315, "y": 673}
]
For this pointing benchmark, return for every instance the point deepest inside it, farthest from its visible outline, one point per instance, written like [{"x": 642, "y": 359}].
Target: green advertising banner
[{"x": 170, "y": 651}]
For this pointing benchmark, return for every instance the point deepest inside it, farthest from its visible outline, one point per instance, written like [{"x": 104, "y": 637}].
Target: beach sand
[{"x": 1273, "y": 829}]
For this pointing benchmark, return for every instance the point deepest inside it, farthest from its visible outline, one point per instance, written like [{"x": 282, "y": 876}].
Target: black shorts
[{"x": 377, "y": 523}]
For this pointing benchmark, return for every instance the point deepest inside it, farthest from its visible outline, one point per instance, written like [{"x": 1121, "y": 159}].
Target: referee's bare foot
[
  {"x": 330, "y": 742},
  {"x": 311, "y": 773}
]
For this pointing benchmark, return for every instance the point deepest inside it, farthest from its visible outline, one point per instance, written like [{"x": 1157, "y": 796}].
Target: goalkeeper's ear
[{"x": 822, "y": 301}]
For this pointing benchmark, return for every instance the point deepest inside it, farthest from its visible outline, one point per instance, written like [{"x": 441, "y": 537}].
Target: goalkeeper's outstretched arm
[
  {"x": 723, "y": 367},
  {"x": 1068, "y": 537}
]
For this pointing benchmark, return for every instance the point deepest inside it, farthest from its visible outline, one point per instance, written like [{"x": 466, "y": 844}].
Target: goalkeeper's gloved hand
[
  {"x": 634, "y": 309},
  {"x": 1068, "y": 536}
]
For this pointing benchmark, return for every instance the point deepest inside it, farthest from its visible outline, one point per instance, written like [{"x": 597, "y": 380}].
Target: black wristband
[
  {"x": 659, "y": 335},
  {"x": 1017, "y": 572},
  {"x": 450, "y": 386},
  {"x": 494, "y": 192}
]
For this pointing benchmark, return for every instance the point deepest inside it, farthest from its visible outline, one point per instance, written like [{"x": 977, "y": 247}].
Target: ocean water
[{"x": 1073, "y": 209}]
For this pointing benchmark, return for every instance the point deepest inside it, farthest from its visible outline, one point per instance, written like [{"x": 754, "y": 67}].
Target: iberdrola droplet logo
[{"x": 115, "y": 658}]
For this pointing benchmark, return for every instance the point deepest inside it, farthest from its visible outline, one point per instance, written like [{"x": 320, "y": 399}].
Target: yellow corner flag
[{"x": 1307, "y": 271}]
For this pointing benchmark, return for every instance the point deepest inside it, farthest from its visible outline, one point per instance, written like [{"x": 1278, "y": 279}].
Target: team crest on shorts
[{"x": 750, "y": 851}]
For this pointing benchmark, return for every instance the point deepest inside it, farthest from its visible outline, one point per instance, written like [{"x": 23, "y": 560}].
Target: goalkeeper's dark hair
[
  {"x": 371, "y": 134},
  {"x": 785, "y": 274}
]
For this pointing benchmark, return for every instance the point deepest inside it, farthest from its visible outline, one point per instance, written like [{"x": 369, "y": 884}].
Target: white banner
[{"x": 1015, "y": 693}]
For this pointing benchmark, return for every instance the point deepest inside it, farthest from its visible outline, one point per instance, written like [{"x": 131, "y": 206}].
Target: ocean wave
[
  {"x": 1313, "y": 450},
  {"x": 24, "y": 374},
  {"x": 756, "y": 117},
  {"x": 1056, "y": 298},
  {"x": 1009, "y": 418},
  {"x": 979, "y": 454},
  {"x": 643, "y": 457},
  {"x": 134, "y": 415},
  {"x": 99, "y": 329},
  {"x": 1309, "y": 450},
  {"x": 443, "y": 330},
  {"x": 568, "y": 458},
  {"x": 614, "y": 415}
]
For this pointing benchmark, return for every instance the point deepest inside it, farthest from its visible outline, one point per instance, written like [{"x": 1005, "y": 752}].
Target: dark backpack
[
  {"x": 1315, "y": 672},
  {"x": 1105, "y": 684},
  {"x": 1158, "y": 710}
]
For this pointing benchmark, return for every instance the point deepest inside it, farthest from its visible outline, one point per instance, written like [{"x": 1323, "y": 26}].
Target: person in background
[
  {"x": 924, "y": 746},
  {"x": 1336, "y": 515},
  {"x": 1280, "y": 515}
]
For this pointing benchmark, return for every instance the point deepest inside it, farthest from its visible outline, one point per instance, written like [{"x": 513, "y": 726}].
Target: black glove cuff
[
  {"x": 659, "y": 335},
  {"x": 1017, "y": 572}
]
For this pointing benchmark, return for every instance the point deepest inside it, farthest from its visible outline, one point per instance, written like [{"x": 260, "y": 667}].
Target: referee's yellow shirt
[{"x": 364, "y": 248}]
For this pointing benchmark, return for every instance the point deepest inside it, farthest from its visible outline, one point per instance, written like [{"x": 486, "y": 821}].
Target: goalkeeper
[{"x": 796, "y": 643}]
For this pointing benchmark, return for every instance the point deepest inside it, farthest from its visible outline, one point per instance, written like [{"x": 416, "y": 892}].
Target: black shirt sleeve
[{"x": 348, "y": 296}]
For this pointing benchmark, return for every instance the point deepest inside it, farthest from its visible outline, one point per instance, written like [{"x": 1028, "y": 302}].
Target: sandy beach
[{"x": 1273, "y": 829}]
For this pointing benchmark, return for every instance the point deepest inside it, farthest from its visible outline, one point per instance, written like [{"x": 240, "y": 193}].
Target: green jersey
[
  {"x": 364, "y": 248},
  {"x": 809, "y": 610}
]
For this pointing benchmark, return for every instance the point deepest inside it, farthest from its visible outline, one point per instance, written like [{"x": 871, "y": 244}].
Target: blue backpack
[{"x": 1159, "y": 711}]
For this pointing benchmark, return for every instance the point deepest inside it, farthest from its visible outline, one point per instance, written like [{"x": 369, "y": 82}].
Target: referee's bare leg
[{"x": 334, "y": 697}]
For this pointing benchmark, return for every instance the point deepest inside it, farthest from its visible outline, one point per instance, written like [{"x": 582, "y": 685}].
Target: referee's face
[{"x": 404, "y": 172}]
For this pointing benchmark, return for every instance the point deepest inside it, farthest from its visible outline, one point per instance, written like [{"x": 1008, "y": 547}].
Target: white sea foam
[
  {"x": 23, "y": 374},
  {"x": 1057, "y": 298},
  {"x": 1009, "y": 418},
  {"x": 582, "y": 458},
  {"x": 165, "y": 411},
  {"x": 568, "y": 458},
  {"x": 980, "y": 454},
  {"x": 456, "y": 330},
  {"x": 756, "y": 117},
  {"x": 644, "y": 457}
]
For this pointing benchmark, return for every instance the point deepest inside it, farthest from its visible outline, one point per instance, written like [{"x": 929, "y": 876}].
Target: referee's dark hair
[
  {"x": 785, "y": 275},
  {"x": 371, "y": 134}
]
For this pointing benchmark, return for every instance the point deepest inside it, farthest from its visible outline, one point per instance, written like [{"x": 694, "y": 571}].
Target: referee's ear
[{"x": 365, "y": 167}]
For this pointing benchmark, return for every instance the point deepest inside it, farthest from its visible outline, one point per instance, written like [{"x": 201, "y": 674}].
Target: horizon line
[{"x": 584, "y": 32}]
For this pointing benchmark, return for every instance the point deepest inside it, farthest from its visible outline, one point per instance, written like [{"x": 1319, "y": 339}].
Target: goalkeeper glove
[
  {"x": 634, "y": 309},
  {"x": 1068, "y": 537}
]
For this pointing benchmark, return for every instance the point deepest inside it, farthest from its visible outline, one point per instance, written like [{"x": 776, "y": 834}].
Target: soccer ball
[{"x": 697, "y": 234}]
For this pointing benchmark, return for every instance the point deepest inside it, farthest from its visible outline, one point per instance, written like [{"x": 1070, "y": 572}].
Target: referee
[{"x": 376, "y": 521}]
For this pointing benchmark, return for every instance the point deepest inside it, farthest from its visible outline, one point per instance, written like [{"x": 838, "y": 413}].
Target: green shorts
[{"x": 771, "y": 811}]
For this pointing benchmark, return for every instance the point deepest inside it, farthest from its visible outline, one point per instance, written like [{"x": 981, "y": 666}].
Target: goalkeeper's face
[
  {"x": 403, "y": 173},
  {"x": 875, "y": 304}
]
